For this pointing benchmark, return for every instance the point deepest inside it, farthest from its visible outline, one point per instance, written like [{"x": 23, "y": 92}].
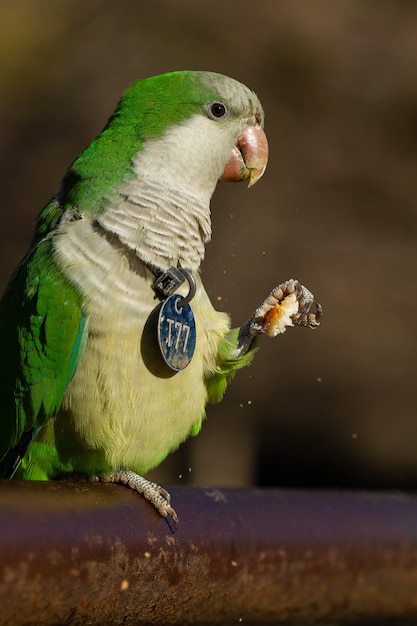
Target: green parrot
[{"x": 111, "y": 346}]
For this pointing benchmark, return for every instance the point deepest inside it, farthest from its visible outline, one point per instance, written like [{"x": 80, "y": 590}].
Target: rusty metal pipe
[{"x": 75, "y": 553}]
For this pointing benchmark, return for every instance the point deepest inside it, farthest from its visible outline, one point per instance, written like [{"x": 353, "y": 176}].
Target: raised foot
[
  {"x": 288, "y": 304},
  {"x": 156, "y": 495}
]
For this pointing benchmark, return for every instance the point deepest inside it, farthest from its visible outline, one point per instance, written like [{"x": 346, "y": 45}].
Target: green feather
[
  {"x": 144, "y": 112},
  {"x": 227, "y": 365},
  {"x": 42, "y": 335}
]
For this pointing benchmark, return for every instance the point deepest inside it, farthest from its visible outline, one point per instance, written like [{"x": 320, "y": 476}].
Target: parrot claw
[
  {"x": 305, "y": 316},
  {"x": 154, "y": 493},
  {"x": 280, "y": 302},
  {"x": 288, "y": 304}
]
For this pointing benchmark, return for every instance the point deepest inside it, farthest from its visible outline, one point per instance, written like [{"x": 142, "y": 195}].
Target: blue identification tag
[{"x": 176, "y": 332}]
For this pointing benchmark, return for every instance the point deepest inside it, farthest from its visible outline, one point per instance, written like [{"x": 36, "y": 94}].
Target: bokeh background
[{"x": 336, "y": 209}]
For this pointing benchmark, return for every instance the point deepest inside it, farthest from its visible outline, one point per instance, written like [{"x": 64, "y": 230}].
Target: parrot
[{"x": 111, "y": 347}]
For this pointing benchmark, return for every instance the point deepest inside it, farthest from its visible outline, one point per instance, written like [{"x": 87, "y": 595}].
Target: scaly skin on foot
[{"x": 287, "y": 305}]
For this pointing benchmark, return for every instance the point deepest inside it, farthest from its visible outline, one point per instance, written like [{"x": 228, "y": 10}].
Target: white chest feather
[{"x": 120, "y": 400}]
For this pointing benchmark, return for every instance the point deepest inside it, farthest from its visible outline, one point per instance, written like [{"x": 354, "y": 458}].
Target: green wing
[
  {"x": 42, "y": 339},
  {"x": 47, "y": 219},
  {"x": 227, "y": 365}
]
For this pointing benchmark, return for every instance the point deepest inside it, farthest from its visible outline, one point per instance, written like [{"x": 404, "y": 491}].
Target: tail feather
[{"x": 11, "y": 459}]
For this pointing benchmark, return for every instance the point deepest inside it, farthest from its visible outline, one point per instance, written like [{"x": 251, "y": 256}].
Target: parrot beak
[{"x": 249, "y": 156}]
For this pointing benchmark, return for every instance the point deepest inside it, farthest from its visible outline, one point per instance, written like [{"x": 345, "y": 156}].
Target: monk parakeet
[{"x": 111, "y": 348}]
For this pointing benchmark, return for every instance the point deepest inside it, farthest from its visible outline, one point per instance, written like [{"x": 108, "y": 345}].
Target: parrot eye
[{"x": 217, "y": 110}]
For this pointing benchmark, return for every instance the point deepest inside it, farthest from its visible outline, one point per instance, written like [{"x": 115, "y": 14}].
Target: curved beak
[{"x": 249, "y": 156}]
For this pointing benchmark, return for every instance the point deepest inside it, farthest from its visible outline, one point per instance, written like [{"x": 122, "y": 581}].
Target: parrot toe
[
  {"x": 288, "y": 304},
  {"x": 154, "y": 493},
  {"x": 305, "y": 315}
]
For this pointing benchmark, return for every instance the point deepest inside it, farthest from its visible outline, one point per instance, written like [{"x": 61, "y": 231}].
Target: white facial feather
[{"x": 163, "y": 211}]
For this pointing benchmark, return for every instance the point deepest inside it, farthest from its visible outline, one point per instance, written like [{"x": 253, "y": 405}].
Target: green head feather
[{"x": 145, "y": 111}]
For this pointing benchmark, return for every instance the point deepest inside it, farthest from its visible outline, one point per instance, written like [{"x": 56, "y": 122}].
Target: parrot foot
[
  {"x": 154, "y": 493},
  {"x": 288, "y": 304}
]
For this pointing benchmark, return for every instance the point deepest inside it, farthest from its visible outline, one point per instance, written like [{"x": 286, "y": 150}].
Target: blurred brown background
[{"x": 336, "y": 209}]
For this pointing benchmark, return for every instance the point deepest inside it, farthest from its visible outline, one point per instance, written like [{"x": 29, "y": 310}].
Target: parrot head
[
  {"x": 149, "y": 176},
  {"x": 192, "y": 127},
  {"x": 215, "y": 121}
]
